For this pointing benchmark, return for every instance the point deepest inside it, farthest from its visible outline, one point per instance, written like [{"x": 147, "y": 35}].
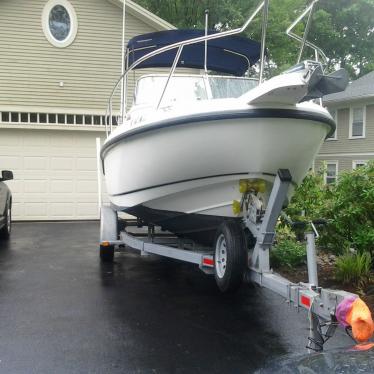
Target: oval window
[{"x": 59, "y": 23}]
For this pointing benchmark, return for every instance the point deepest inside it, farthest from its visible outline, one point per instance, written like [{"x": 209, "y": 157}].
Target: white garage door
[{"x": 55, "y": 174}]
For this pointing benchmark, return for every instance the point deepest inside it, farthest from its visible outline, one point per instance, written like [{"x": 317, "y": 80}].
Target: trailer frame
[{"x": 320, "y": 302}]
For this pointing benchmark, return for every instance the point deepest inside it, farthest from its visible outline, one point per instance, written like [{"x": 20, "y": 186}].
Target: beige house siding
[
  {"x": 31, "y": 69},
  {"x": 346, "y": 150},
  {"x": 47, "y": 132}
]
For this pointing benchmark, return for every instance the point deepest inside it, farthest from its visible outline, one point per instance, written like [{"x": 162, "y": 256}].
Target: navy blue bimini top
[{"x": 222, "y": 53}]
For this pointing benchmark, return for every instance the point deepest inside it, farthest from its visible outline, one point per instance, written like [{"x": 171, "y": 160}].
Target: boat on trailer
[
  {"x": 198, "y": 155},
  {"x": 215, "y": 158},
  {"x": 192, "y": 145}
]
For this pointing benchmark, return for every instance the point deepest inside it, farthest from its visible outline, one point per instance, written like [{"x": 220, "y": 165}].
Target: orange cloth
[{"x": 359, "y": 317}]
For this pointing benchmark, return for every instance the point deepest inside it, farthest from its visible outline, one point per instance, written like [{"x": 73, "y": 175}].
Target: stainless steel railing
[
  {"x": 303, "y": 40},
  {"x": 179, "y": 45}
]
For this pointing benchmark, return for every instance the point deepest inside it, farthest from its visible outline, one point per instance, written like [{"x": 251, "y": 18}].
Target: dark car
[{"x": 5, "y": 205}]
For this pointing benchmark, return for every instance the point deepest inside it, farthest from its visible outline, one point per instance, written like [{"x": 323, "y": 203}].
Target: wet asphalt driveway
[{"x": 62, "y": 311}]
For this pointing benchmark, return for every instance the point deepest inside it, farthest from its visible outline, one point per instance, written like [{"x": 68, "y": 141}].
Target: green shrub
[
  {"x": 350, "y": 211},
  {"x": 353, "y": 269},
  {"x": 288, "y": 253},
  {"x": 348, "y": 205},
  {"x": 309, "y": 199}
]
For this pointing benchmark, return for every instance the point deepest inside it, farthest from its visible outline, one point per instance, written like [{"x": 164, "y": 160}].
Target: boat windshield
[{"x": 186, "y": 88}]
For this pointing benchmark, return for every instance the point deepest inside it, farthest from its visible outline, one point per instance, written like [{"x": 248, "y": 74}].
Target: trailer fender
[{"x": 108, "y": 224}]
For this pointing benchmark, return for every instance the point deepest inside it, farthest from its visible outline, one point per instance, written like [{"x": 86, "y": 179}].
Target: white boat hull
[{"x": 195, "y": 167}]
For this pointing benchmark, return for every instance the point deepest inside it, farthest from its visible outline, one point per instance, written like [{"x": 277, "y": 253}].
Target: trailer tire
[
  {"x": 230, "y": 256},
  {"x": 106, "y": 253}
]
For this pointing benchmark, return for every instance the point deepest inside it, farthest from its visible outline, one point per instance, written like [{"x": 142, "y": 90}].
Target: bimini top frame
[
  {"x": 303, "y": 40},
  {"x": 179, "y": 45}
]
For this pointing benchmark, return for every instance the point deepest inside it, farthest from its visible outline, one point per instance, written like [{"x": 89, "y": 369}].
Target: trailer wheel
[
  {"x": 230, "y": 256},
  {"x": 106, "y": 253}
]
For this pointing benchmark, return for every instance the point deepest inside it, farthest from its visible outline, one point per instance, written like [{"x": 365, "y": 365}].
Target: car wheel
[{"x": 7, "y": 228}]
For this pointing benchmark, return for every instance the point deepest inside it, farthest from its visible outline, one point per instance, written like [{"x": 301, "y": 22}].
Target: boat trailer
[{"x": 320, "y": 303}]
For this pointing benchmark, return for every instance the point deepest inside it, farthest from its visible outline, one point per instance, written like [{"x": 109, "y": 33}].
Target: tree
[{"x": 344, "y": 29}]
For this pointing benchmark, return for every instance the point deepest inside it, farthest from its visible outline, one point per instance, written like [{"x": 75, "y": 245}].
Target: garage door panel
[
  {"x": 15, "y": 185},
  {"x": 86, "y": 186},
  {"x": 10, "y": 162},
  {"x": 36, "y": 210},
  {"x": 63, "y": 186},
  {"x": 36, "y": 139},
  {"x": 87, "y": 197},
  {"x": 62, "y": 163},
  {"x": 87, "y": 209},
  {"x": 10, "y": 141},
  {"x": 83, "y": 141},
  {"x": 86, "y": 164},
  {"x": 61, "y": 210},
  {"x": 62, "y": 174},
  {"x": 87, "y": 175},
  {"x": 55, "y": 173},
  {"x": 18, "y": 210},
  {"x": 65, "y": 139},
  {"x": 35, "y": 163},
  {"x": 35, "y": 186},
  {"x": 8, "y": 151}
]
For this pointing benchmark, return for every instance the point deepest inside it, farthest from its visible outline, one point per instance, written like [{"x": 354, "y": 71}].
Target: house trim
[
  {"x": 345, "y": 154},
  {"x": 144, "y": 15},
  {"x": 347, "y": 100}
]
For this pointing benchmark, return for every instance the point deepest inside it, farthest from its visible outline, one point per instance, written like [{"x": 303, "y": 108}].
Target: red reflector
[
  {"x": 305, "y": 301},
  {"x": 208, "y": 261}
]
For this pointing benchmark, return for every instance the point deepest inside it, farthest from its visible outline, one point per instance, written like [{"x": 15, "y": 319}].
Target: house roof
[
  {"x": 143, "y": 14},
  {"x": 361, "y": 88}
]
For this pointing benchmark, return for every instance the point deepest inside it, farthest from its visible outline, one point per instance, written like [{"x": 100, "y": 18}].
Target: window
[
  {"x": 33, "y": 117},
  {"x": 357, "y": 123},
  {"x": 331, "y": 172},
  {"x": 53, "y": 118},
  {"x": 24, "y": 117},
  {"x": 59, "y": 22},
  {"x": 43, "y": 118},
  {"x": 87, "y": 120},
  {"x": 334, "y": 115},
  {"x": 14, "y": 117},
  {"x": 357, "y": 164}
]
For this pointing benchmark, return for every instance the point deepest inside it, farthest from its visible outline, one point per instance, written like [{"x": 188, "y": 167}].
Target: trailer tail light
[
  {"x": 305, "y": 300},
  {"x": 208, "y": 261},
  {"x": 105, "y": 244}
]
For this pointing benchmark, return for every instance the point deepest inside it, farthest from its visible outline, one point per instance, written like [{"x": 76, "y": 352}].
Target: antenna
[
  {"x": 206, "y": 41},
  {"x": 123, "y": 67},
  {"x": 263, "y": 37}
]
